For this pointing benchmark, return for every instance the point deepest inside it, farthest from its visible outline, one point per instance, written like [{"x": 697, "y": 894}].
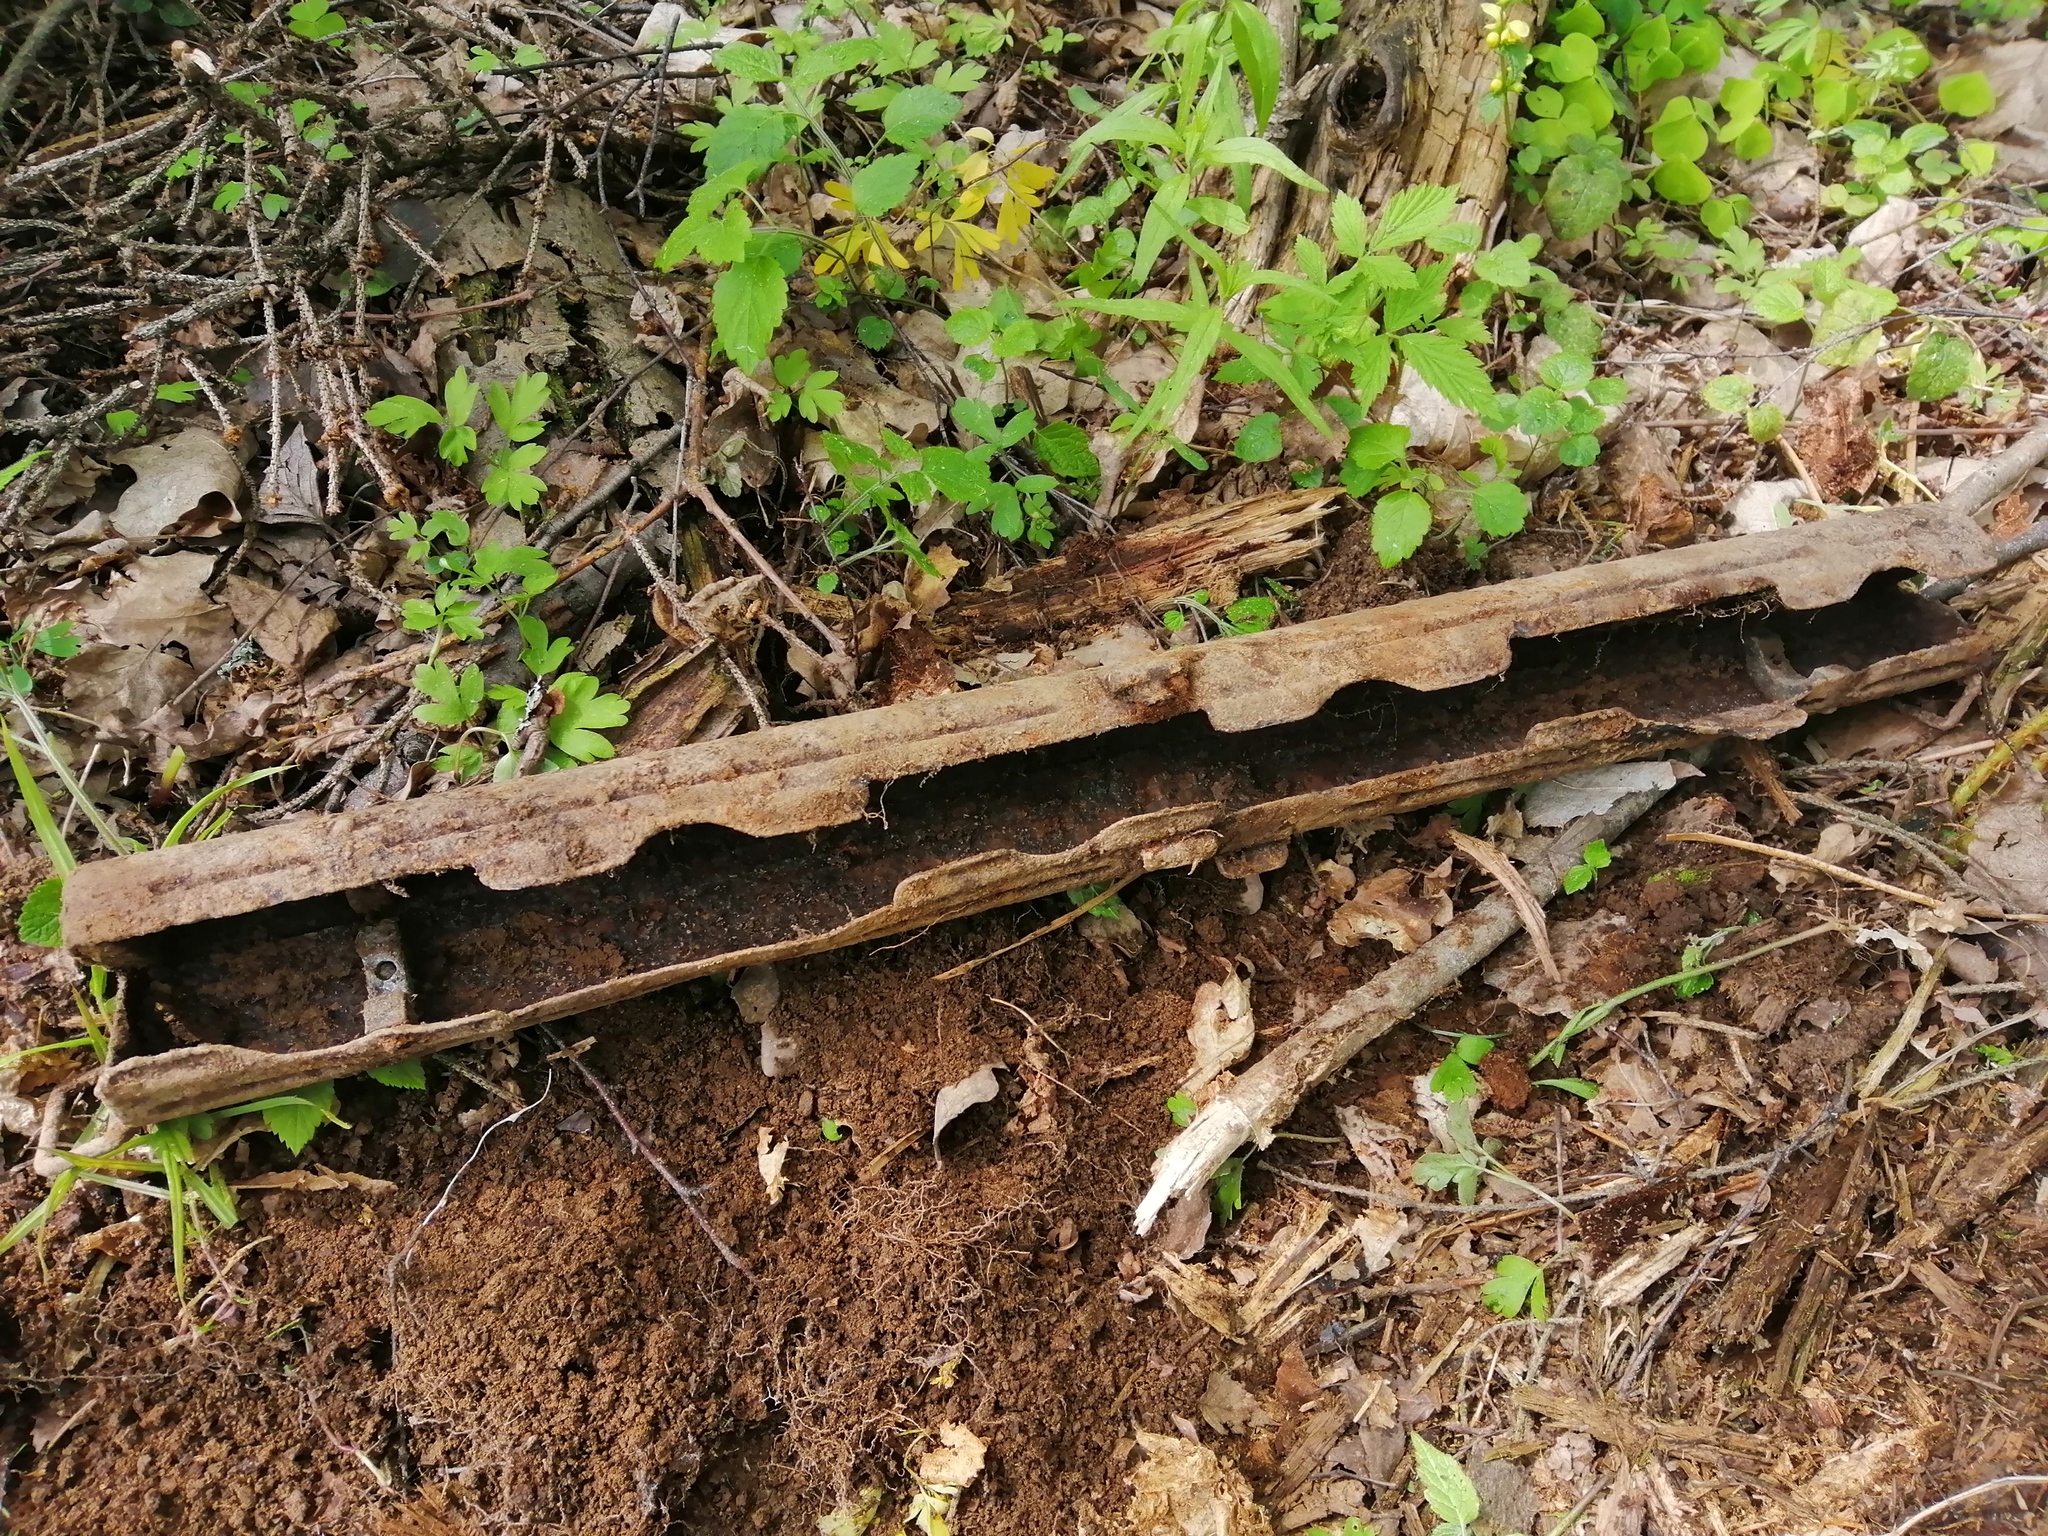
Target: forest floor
[{"x": 400, "y": 398}]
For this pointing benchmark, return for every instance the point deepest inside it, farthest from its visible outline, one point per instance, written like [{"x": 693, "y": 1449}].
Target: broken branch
[{"x": 1260, "y": 1100}]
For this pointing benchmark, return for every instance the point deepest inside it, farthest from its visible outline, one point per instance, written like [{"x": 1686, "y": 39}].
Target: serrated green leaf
[
  {"x": 1731, "y": 392},
  {"x": 747, "y": 304},
  {"x": 1413, "y": 214},
  {"x": 1347, "y": 225},
  {"x": 1400, "y": 522},
  {"x": 400, "y": 1074},
  {"x": 880, "y": 186},
  {"x": 1448, "y": 368},
  {"x": 402, "y": 415},
  {"x": 517, "y": 411},
  {"x": 293, "y": 1118},
  {"x": 507, "y": 484},
  {"x": 1567, "y": 370},
  {"x": 582, "y": 712},
  {"x": 1454, "y": 1079},
  {"x": 1066, "y": 450},
  {"x": 1500, "y": 508},
  {"x": 915, "y": 114},
  {"x": 1779, "y": 301},
  {"x": 1942, "y": 365},
  {"x": 1585, "y": 192},
  {"x": 42, "y": 915},
  {"x": 1450, "y": 1493},
  {"x": 1258, "y": 440}
]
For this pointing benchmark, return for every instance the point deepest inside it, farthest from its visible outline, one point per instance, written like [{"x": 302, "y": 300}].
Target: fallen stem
[
  {"x": 1997, "y": 759},
  {"x": 1263, "y": 1097},
  {"x": 1037, "y": 933},
  {"x": 1854, "y": 877}
]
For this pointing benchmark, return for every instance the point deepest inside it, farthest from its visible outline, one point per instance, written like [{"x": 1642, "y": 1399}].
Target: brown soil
[{"x": 529, "y": 1331}]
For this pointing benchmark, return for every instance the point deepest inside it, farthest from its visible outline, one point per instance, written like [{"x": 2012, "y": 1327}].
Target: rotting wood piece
[{"x": 542, "y": 898}]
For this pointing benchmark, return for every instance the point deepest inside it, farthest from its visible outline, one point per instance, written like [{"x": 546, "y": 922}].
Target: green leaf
[
  {"x": 1572, "y": 1085},
  {"x": 1567, "y": 370},
  {"x": 1454, "y": 1079},
  {"x": 1764, "y": 423},
  {"x": 1942, "y": 365},
  {"x": 749, "y": 61},
  {"x": 583, "y": 712},
  {"x": 1412, "y": 214},
  {"x": 1181, "y": 1108},
  {"x": 402, "y": 415},
  {"x": 1585, "y": 192},
  {"x": 1967, "y": 95},
  {"x": 517, "y": 411},
  {"x": 1066, "y": 450},
  {"x": 1500, "y": 508},
  {"x": 1258, "y": 440},
  {"x": 1596, "y": 854},
  {"x": 874, "y": 333},
  {"x": 1347, "y": 225},
  {"x": 1516, "y": 1283},
  {"x": 1249, "y": 151},
  {"x": 748, "y": 135},
  {"x": 1507, "y": 265},
  {"x": 1258, "y": 57},
  {"x": 1575, "y": 57},
  {"x": 1450, "y": 1493},
  {"x": 1682, "y": 182},
  {"x": 455, "y": 700},
  {"x": 508, "y": 484},
  {"x": 293, "y": 1118},
  {"x": 1400, "y": 522},
  {"x": 1448, "y": 368},
  {"x": 493, "y": 562},
  {"x": 1779, "y": 301},
  {"x": 1731, "y": 392},
  {"x": 42, "y": 914},
  {"x": 312, "y": 20},
  {"x": 230, "y": 196},
  {"x": 747, "y": 304},
  {"x": 539, "y": 654},
  {"x": 1679, "y": 134},
  {"x": 880, "y": 186},
  {"x": 914, "y": 115},
  {"x": 458, "y": 396},
  {"x": 400, "y": 1074}
]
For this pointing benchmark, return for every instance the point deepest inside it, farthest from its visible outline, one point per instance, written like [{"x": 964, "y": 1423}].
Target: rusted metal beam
[{"x": 328, "y": 945}]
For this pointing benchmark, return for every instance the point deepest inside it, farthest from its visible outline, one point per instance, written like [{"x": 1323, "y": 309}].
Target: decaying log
[
  {"x": 1262, "y": 1098},
  {"x": 520, "y": 903},
  {"x": 1096, "y": 581}
]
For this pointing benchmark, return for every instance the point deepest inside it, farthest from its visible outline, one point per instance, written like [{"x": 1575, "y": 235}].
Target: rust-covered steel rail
[{"x": 327, "y": 945}]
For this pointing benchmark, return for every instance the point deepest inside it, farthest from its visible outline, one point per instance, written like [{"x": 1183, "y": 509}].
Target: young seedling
[
  {"x": 1593, "y": 858},
  {"x": 1454, "y": 1079},
  {"x": 1181, "y": 1109},
  {"x": 1517, "y": 1283},
  {"x": 1445, "y": 1487},
  {"x": 830, "y": 1129},
  {"x": 1226, "y": 1190}
]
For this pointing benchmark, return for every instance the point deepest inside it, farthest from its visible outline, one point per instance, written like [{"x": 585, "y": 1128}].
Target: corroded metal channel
[{"x": 328, "y": 945}]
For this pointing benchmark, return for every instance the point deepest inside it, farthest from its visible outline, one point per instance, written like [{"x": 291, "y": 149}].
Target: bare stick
[
  {"x": 1037, "y": 933},
  {"x": 1262, "y": 1098},
  {"x": 1853, "y": 876},
  {"x": 682, "y": 1190},
  {"x": 761, "y": 564},
  {"x": 2016, "y": 1480}
]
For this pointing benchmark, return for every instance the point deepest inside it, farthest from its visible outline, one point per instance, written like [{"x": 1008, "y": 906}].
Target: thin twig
[
  {"x": 682, "y": 1190},
  {"x": 1037, "y": 933},
  {"x": 1855, "y": 877}
]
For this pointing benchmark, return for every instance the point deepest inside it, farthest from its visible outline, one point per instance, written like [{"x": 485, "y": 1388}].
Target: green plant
[
  {"x": 1247, "y": 615},
  {"x": 484, "y": 62},
  {"x": 1180, "y": 1109},
  {"x": 1226, "y": 1189},
  {"x": 1593, "y": 858},
  {"x": 1454, "y": 1078},
  {"x": 830, "y": 1129},
  {"x": 807, "y": 390},
  {"x": 1100, "y": 900},
  {"x": 1597, "y": 1013},
  {"x": 1445, "y": 1488},
  {"x": 1517, "y": 1283},
  {"x": 317, "y": 22}
]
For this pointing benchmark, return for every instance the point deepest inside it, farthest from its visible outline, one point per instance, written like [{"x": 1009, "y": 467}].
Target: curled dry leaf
[
  {"x": 1221, "y": 1030},
  {"x": 769, "y": 1156},
  {"x": 319, "y": 1179},
  {"x": 292, "y": 633},
  {"x": 957, "y": 1460},
  {"x": 1230, "y": 1408},
  {"x": 928, "y": 590},
  {"x": 185, "y": 487},
  {"x": 1384, "y": 909},
  {"x": 1182, "y": 1487},
  {"x": 955, "y": 1099},
  {"x": 1516, "y": 889}
]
